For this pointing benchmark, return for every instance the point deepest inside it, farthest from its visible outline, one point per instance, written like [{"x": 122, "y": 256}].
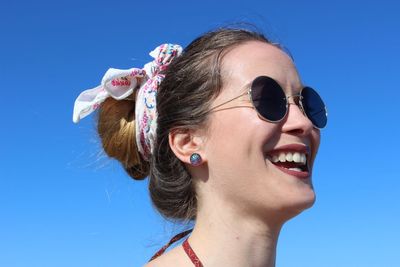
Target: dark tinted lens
[
  {"x": 268, "y": 98},
  {"x": 314, "y": 107}
]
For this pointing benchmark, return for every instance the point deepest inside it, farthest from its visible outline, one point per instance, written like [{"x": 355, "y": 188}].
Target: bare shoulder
[{"x": 176, "y": 257}]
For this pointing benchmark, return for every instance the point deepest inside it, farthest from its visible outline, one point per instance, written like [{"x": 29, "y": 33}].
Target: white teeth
[
  {"x": 303, "y": 159},
  {"x": 296, "y": 157},
  {"x": 295, "y": 169},
  {"x": 282, "y": 157}
]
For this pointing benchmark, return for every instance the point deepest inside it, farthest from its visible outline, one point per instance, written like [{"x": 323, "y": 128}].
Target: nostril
[{"x": 296, "y": 131}]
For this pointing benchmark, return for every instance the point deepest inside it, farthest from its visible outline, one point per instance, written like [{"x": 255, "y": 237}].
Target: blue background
[{"x": 64, "y": 203}]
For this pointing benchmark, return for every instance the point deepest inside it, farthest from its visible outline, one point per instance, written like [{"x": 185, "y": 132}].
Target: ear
[{"x": 186, "y": 142}]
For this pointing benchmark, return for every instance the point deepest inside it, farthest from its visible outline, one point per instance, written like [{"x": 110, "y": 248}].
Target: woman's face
[{"x": 240, "y": 144}]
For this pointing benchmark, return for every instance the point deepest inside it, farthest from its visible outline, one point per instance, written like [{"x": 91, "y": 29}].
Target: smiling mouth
[{"x": 292, "y": 160}]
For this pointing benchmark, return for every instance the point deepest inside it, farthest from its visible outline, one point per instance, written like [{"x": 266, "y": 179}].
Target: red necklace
[{"x": 188, "y": 249}]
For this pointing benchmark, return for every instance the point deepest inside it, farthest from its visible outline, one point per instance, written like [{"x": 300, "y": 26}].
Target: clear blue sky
[{"x": 63, "y": 203}]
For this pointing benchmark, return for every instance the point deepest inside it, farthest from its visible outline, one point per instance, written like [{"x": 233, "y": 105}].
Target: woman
[{"x": 231, "y": 146}]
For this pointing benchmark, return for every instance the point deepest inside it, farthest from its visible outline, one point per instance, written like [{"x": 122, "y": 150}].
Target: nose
[{"x": 296, "y": 122}]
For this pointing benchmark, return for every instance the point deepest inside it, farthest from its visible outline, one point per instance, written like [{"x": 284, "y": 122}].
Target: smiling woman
[{"x": 226, "y": 133}]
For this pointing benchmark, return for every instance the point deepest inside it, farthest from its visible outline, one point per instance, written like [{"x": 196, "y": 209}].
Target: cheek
[
  {"x": 236, "y": 133},
  {"x": 226, "y": 139},
  {"x": 236, "y": 142},
  {"x": 316, "y": 140},
  {"x": 242, "y": 132}
]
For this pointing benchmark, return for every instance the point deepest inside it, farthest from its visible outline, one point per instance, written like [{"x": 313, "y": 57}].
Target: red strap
[
  {"x": 188, "y": 249},
  {"x": 174, "y": 239},
  {"x": 193, "y": 257}
]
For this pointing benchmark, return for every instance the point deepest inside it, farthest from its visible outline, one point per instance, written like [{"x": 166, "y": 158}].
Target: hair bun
[{"x": 116, "y": 128}]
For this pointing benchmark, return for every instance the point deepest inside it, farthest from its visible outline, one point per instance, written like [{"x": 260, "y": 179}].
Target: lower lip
[{"x": 300, "y": 175}]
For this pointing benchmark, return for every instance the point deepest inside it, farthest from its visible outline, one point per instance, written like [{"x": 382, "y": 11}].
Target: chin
[
  {"x": 307, "y": 201},
  {"x": 299, "y": 203}
]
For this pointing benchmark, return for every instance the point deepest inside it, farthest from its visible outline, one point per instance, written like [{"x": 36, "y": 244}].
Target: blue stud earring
[{"x": 195, "y": 159}]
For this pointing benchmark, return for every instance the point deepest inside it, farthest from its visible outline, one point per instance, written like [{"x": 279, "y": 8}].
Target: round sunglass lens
[
  {"x": 314, "y": 107},
  {"x": 268, "y": 98}
]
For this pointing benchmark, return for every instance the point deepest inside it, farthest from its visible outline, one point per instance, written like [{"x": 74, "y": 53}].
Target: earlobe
[{"x": 187, "y": 146}]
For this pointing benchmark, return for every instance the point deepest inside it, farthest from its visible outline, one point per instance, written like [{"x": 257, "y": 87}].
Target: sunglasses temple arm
[{"x": 226, "y": 102}]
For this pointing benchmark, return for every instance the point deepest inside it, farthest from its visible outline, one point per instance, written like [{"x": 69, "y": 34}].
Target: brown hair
[{"x": 192, "y": 81}]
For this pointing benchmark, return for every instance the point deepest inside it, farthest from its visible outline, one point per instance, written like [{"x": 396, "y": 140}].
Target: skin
[{"x": 244, "y": 200}]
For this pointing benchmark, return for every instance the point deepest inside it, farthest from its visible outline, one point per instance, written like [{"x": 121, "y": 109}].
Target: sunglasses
[{"x": 271, "y": 103}]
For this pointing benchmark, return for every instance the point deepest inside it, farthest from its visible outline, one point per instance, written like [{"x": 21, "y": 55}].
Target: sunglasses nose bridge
[
  {"x": 298, "y": 105},
  {"x": 298, "y": 96},
  {"x": 295, "y": 101}
]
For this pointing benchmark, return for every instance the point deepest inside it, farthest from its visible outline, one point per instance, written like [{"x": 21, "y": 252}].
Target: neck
[{"x": 229, "y": 239}]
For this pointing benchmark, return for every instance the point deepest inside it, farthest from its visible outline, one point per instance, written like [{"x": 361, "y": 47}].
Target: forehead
[{"x": 245, "y": 62}]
